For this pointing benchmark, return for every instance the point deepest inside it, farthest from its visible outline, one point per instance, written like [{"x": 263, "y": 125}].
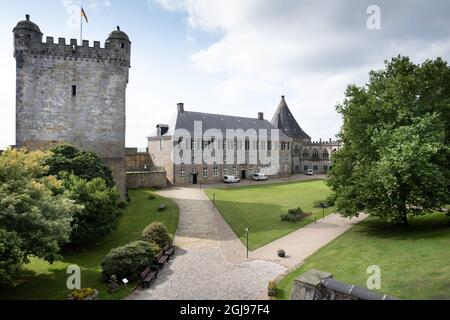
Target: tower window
[
  {"x": 74, "y": 91},
  {"x": 122, "y": 45}
]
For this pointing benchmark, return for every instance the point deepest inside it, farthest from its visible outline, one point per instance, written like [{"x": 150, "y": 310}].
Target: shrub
[
  {"x": 327, "y": 203},
  {"x": 294, "y": 215},
  {"x": 129, "y": 261},
  {"x": 157, "y": 233}
]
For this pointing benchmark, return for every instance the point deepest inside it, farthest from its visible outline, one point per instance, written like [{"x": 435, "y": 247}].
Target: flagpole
[{"x": 81, "y": 27}]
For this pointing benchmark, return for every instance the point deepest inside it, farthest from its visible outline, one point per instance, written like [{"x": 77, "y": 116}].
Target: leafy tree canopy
[
  {"x": 86, "y": 165},
  {"x": 101, "y": 208},
  {"x": 395, "y": 159},
  {"x": 32, "y": 205},
  {"x": 11, "y": 255}
]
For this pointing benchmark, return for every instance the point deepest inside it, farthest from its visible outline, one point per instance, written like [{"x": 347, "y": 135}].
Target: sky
[{"x": 237, "y": 57}]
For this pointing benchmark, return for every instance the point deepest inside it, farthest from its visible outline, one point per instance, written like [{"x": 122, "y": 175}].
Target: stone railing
[{"x": 319, "y": 285}]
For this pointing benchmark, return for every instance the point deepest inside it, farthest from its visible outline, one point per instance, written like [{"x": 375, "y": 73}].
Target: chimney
[
  {"x": 180, "y": 107},
  {"x": 260, "y": 116}
]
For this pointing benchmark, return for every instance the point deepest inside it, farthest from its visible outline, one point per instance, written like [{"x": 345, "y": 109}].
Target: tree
[
  {"x": 32, "y": 205},
  {"x": 86, "y": 165},
  {"x": 395, "y": 159},
  {"x": 101, "y": 208},
  {"x": 11, "y": 255}
]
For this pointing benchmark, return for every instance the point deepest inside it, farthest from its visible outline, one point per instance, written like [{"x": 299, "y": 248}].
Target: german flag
[{"x": 83, "y": 14}]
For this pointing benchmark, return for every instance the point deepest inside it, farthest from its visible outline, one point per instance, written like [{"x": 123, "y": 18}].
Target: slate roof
[
  {"x": 285, "y": 121},
  {"x": 185, "y": 120}
]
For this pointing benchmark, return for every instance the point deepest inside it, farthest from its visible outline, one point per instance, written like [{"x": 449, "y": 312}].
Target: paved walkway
[
  {"x": 302, "y": 243},
  {"x": 210, "y": 261}
]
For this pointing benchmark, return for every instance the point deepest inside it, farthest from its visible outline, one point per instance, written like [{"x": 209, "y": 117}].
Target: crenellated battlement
[
  {"x": 326, "y": 143},
  {"x": 28, "y": 40}
]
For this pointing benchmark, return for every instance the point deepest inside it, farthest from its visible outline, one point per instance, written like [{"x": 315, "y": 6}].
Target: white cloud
[{"x": 309, "y": 50}]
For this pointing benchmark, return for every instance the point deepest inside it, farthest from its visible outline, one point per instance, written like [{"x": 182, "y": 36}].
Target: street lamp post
[{"x": 247, "y": 232}]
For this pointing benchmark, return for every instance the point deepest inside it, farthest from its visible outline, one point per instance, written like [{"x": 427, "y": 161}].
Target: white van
[
  {"x": 231, "y": 179},
  {"x": 260, "y": 177}
]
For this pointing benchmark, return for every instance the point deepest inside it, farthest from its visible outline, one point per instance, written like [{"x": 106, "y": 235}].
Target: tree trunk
[{"x": 402, "y": 208}]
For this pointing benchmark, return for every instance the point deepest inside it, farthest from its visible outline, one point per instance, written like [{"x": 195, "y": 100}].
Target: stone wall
[
  {"x": 137, "y": 161},
  {"x": 146, "y": 179},
  {"x": 320, "y": 285}
]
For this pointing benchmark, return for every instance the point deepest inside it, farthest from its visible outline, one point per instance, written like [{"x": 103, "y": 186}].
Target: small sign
[{"x": 125, "y": 281}]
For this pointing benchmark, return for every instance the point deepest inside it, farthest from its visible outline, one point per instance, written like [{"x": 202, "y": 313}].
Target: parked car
[
  {"x": 310, "y": 172},
  {"x": 260, "y": 177},
  {"x": 231, "y": 179}
]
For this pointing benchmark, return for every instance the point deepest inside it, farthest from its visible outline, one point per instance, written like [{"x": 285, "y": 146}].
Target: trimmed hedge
[
  {"x": 295, "y": 215},
  {"x": 130, "y": 260},
  {"x": 157, "y": 233}
]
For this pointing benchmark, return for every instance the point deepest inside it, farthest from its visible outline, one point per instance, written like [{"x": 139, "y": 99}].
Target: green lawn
[
  {"x": 259, "y": 208},
  {"x": 414, "y": 260},
  {"x": 40, "y": 280}
]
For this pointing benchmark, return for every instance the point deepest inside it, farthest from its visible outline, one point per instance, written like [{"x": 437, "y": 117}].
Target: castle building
[
  {"x": 306, "y": 154},
  {"x": 189, "y": 170},
  {"x": 72, "y": 93},
  {"x": 295, "y": 151}
]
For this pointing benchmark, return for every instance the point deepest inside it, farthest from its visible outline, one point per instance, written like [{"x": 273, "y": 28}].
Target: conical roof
[{"x": 285, "y": 121}]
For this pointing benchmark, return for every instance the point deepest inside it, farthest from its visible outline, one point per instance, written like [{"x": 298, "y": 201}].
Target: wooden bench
[
  {"x": 147, "y": 276},
  {"x": 169, "y": 250},
  {"x": 161, "y": 259}
]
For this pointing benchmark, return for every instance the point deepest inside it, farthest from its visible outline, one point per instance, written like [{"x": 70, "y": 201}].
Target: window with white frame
[
  {"x": 216, "y": 172},
  {"x": 234, "y": 171},
  {"x": 182, "y": 174},
  {"x": 205, "y": 172},
  {"x": 225, "y": 171}
]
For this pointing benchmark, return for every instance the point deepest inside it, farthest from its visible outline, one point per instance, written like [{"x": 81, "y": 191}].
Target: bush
[
  {"x": 101, "y": 208},
  {"x": 11, "y": 255},
  {"x": 294, "y": 215},
  {"x": 157, "y": 233},
  {"x": 129, "y": 261},
  {"x": 327, "y": 203}
]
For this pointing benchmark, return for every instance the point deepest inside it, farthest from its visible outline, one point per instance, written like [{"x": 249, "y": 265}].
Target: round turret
[
  {"x": 119, "y": 44},
  {"x": 26, "y": 33},
  {"x": 118, "y": 35}
]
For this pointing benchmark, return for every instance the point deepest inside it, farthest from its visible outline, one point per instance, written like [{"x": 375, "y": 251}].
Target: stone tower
[{"x": 72, "y": 93}]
